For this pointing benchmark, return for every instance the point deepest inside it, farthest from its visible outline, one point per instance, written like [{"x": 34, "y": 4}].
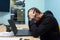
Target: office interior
[{"x": 18, "y": 10}]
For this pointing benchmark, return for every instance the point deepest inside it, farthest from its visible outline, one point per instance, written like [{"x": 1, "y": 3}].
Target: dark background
[{"x": 4, "y": 5}]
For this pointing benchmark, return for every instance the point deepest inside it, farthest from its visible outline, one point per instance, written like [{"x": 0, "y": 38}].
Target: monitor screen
[{"x": 4, "y": 5}]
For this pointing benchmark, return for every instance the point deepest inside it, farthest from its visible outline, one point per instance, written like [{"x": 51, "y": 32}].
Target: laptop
[{"x": 22, "y": 32}]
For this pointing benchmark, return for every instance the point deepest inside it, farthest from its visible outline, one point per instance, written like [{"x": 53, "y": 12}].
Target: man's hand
[{"x": 31, "y": 14}]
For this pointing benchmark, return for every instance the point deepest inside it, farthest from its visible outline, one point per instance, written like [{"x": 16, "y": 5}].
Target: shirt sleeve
[
  {"x": 32, "y": 26},
  {"x": 42, "y": 28}
]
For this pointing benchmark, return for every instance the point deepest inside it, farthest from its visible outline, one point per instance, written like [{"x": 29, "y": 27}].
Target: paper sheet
[
  {"x": 6, "y": 34},
  {"x": 9, "y": 38}
]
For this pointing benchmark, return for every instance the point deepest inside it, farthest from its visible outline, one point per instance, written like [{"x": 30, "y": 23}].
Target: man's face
[
  {"x": 33, "y": 14},
  {"x": 37, "y": 16}
]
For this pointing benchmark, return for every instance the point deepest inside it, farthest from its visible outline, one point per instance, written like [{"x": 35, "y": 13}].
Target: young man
[{"x": 43, "y": 24}]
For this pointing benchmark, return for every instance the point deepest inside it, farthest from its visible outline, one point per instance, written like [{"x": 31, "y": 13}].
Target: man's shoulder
[
  {"x": 47, "y": 16},
  {"x": 48, "y": 13}
]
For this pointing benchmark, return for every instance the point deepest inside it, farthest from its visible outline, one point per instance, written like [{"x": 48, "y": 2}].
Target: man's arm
[
  {"x": 32, "y": 26},
  {"x": 43, "y": 27}
]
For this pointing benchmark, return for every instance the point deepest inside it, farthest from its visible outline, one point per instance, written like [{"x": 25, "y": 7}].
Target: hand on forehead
[{"x": 31, "y": 11}]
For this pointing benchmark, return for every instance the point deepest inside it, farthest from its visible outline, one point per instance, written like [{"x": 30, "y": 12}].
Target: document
[
  {"x": 9, "y": 38},
  {"x": 6, "y": 34}
]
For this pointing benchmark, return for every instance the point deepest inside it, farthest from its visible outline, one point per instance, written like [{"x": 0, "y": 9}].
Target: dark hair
[{"x": 35, "y": 9}]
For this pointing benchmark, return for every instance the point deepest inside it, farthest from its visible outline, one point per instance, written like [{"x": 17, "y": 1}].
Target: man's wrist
[{"x": 32, "y": 20}]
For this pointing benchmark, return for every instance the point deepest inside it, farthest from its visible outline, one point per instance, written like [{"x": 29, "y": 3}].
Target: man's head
[{"x": 35, "y": 13}]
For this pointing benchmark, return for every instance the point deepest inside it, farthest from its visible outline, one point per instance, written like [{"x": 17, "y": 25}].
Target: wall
[
  {"x": 28, "y": 4},
  {"x": 33, "y": 3},
  {"x": 4, "y": 16},
  {"x": 54, "y": 6}
]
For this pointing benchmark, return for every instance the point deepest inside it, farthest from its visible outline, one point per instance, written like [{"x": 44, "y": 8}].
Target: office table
[{"x": 3, "y": 29}]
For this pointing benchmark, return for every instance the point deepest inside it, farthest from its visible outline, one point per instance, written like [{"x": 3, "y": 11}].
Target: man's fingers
[{"x": 31, "y": 12}]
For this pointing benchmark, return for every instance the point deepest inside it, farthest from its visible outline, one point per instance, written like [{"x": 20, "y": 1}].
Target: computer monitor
[{"x": 4, "y": 5}]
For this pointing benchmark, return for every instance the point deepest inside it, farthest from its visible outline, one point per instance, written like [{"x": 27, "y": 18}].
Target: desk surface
[
  {"x": 23, "y": 37},
  {"x": 3, "y": 29}
]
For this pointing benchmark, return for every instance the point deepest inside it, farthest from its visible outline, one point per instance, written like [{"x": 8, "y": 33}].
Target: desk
[
  {"x": 3, "y": 29},
  {"x": 23, "y": 37}
]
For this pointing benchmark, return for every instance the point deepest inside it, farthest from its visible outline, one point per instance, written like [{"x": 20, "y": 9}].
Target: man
[{"x": 43, "y": 24}]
